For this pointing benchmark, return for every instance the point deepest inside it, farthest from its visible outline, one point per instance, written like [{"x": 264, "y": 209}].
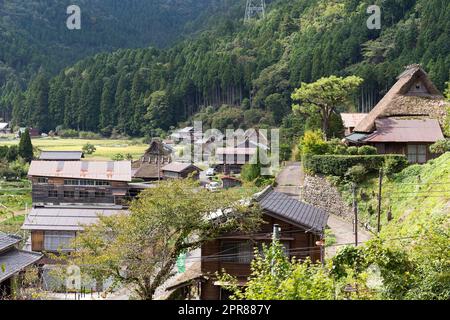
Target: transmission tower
[{"x": 255, "y": 9}]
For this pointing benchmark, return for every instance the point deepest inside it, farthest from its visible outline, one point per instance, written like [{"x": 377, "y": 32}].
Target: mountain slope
[{"x": 253, "y": 67}]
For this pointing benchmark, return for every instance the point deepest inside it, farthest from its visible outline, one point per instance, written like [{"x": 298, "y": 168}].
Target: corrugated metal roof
[
  {"x": 3, "y": 125},
  {"x": 395, "y": 130},
  {"x": 14, "y": 261},
  {"x": 98, "y": 170},
  {"x": 297, "y": 212},
  {"x": 61, "y": 155},
  {"x": 65, "y": 219},
  {"x": 7, "y": 241},
  {"x": 178, "y": 167}
]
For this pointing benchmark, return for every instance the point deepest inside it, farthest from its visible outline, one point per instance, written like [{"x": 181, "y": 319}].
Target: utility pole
[
  {"x": 355, "y": 211},
  {"x": 275, "y": 237},
  {"x": 380, "y": 188}
]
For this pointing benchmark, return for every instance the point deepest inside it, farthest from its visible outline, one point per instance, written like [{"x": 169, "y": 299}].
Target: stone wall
[{"x": 319, "y": 192}]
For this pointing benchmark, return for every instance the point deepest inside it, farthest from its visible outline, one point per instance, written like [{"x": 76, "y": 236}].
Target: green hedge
[{"x": 337, "y": 165}]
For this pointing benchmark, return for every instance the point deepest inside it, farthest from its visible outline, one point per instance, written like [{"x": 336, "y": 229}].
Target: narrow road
[{"x": 290, "y": 181}]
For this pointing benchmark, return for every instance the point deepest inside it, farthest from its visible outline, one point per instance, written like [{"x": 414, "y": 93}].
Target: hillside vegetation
[{"x": 253, "y": 68}]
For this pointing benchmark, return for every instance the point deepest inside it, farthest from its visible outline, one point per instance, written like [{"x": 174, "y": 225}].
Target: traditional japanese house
[
  {"x": 178, "y": 170},
  {"x": 4, "y": 128},
  {"x": 407, "y": 120},
  {"x": 302, "y": 226},
  {"x": 351, "y": 120},
  {"x": 149, "y": 166},
  {"x": 12, "y": 262}
]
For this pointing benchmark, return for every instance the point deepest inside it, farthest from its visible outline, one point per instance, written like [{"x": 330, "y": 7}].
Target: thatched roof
[{"x": 412, "y": 95}]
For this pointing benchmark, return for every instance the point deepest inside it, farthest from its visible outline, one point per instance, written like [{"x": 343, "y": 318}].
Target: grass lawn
[
  {"x": 106, "y": 148},
  {"x": 12, "y": 225}
]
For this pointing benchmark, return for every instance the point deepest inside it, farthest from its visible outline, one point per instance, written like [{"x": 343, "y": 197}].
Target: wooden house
[
  {"x": 178, "y": 170},
  {"x": 12, "y": 262},
  {"x": 407, "y": 120},
  {"x": 4, "y": 128},
  {"x": 302, "y": 225},
  {"x": 79, "y": 182},
  {"x": 149, "y": 166},
  {"x": 351, "y": 120}
]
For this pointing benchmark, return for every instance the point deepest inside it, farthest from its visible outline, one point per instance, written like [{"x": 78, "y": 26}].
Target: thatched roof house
[
  {"x": 412, "y": 95},
  {"x": 407, "y": 120}
]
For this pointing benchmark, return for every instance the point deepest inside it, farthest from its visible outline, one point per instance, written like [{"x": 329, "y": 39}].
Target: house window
[
  {"x": 58, "y": 240},
  {"x": 53, "y": 194},
  {"x": 84, "y": 194},
  {"x": 237, "y": 252},
  {"x": 42, "y": 180},
  {"x": 417, "y": 153},
  {"x": 69, "y": 194},
  {"x": 79, "y": 182},
  {"x": 100, "y": 194}
]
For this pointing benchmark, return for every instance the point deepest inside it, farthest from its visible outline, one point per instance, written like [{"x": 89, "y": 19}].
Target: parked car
[
  {"x": 210, "y": 172},
  {"x": 213, "y": 186}
]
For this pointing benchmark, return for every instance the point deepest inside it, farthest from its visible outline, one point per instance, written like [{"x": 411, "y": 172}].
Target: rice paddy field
[{"x": 106, "y": 148}]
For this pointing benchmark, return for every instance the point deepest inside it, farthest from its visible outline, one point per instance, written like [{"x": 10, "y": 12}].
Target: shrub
[
  {"x": 394, "y": 164},
  {"x": 367, "y": 150},
  {"x": 440, "y": 147},
  {"x": 68, "y": 133},
  {"x": 118, "y": 157},
  {"x": 356, "y": 173},
  {"x": 352, "y": 151},
  {"x": 89, "y": 148},
  {"x": 89, "y": 135},
  {"x": 337, "y": 165},
  {"x": 335, "y": 146},
  {"x": 313, "y": 143}
]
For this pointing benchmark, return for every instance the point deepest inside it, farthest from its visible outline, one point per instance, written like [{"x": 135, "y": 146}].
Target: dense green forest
[
  {"x": 34, "y": 34},
  {"x": 235, "y": 74}
]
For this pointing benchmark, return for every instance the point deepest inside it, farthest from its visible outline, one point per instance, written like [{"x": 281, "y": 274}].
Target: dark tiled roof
[
  {"x": 7, "y": 241},
  {"x": 179, "y": 167},
  {"x": 292, "y": 210},
  {"x": 14, "y": 261},
  {"x": 61, "y": 155}
]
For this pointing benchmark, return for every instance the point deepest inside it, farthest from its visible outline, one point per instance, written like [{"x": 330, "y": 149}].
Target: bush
[
  {"x": 367, "y": 150},
  {"x": 118, "y": 157},
  {"x": 89, "y": 135},
  {"x": 313, "y": 143},
  {"x": 353, "y": 151},
  {"x": 440, "y": 147},
  {"x": 89, "y": 148},
  {"x": 338, "y": 165},
  {"x": 356, "y": 173},
  {"x": 394, "y": 164},
  {"x": 68, "y": 133}
]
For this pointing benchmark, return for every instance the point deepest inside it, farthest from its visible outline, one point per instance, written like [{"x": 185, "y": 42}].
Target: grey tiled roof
[
  {"x": 292, "y": 210},
  {"x": 7, "y": 241},
  {"x": 14, "y": 261}
]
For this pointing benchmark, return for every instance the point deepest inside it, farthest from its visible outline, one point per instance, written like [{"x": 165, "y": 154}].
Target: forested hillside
[
  {"x": 34, "y": 34},
  {"x": 252, "y": 69}
]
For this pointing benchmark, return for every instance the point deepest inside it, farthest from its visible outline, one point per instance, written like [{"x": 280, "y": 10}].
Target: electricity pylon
[{"x": 255, "y": 9}]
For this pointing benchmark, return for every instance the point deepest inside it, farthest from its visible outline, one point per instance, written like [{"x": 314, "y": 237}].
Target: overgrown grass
[
  {"x": 414, "y": 196},
  {"x": 106, "y": 148},
  {"x": 12, "y": 225}
]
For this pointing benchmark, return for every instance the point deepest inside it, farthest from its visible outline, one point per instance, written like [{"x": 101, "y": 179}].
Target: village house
[
  {"x": 407, "y": 120},
  {"x": 12, "y": 262},
  {"x": 69, "y": 194},
  {"x": 4, "y": 128},
  {"x": 185, "y": 134},
  {"x": 351, "y": 120},
  {"x": 178, "y": 170},
  {"x": 61, "y": 156},
  {"x": 149, "y": 166},
  {"x": 302, "y": 226}
]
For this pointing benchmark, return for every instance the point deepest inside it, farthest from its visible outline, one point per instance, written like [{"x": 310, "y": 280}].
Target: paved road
[
  {"x": 290, "y": 179},
  {"x": 343, "y": 231}
]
